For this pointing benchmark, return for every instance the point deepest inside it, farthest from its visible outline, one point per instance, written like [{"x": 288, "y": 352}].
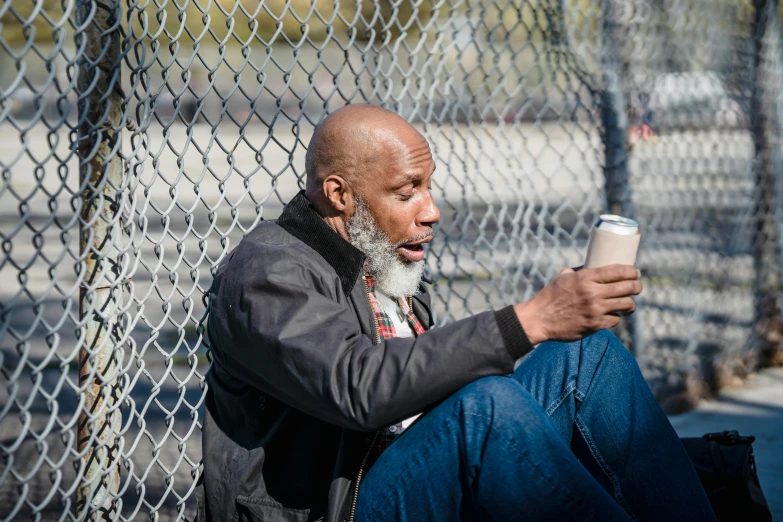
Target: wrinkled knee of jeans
[
  {"x": 614, "y": 350},
  {"x": 603, "y": 338},
  {"x": 500, "y": 405},
  {"x": 491, "y": 396}
]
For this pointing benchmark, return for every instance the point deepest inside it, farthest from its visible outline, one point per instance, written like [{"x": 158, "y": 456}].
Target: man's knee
[
  {"x": 615, "y": 346},
  {"x": 604, "y": 338},
  {"x": 497, "y": 397},
  {"x": 498, "y": 410},
  {"x": 608, "y": 350}
]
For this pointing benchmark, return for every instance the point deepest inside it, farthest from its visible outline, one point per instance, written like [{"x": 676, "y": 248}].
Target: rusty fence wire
[{"x": 141, "y": 139}]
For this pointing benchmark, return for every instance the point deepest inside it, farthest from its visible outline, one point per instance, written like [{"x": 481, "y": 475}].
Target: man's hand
[{"x": 577, "y": 303}]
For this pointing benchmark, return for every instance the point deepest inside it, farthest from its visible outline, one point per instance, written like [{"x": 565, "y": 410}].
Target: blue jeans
[{"x": 574, "y": 434}]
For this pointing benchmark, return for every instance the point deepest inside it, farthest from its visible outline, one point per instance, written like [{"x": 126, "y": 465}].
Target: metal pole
[
  {"x": 100, "y": 176},
  {"x": 614, "y": 127},
  {"x": 614, "y": 120},
  {"x": 767, "y": 320}
]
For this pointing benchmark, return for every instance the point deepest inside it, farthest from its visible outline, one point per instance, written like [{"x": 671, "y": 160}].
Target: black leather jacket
[{"x": 299, "y": 383}]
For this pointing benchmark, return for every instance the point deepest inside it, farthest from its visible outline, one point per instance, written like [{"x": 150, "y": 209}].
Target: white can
[{"x": 614, "y": 240}]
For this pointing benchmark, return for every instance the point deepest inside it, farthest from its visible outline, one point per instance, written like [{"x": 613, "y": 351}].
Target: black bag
[{"x": 727, "y": 469}]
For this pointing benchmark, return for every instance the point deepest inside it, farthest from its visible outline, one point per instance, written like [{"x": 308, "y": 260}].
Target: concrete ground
[{"x": 753, "y": 409}]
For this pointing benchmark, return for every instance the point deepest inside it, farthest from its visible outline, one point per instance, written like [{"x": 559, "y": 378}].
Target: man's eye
[{"x": 404, "y": 197}]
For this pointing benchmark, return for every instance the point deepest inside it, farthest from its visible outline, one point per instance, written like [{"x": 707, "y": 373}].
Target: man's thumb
[{"x": 566, "y": 271}]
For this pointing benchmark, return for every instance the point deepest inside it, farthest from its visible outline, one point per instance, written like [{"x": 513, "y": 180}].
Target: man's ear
[{"x": 339, "y": 194}]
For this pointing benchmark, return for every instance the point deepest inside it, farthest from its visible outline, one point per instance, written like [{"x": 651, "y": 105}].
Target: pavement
[{"x": 755, "y": 408}]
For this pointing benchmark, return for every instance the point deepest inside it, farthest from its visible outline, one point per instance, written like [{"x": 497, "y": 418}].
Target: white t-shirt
[{"x": 402, "y": 327}]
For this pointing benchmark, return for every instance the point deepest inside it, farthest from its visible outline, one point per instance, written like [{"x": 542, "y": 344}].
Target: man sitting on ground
[{"x": 320, "y": 327}]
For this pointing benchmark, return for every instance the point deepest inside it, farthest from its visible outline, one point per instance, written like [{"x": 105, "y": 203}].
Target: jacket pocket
[{"x": 267, "y": 510}]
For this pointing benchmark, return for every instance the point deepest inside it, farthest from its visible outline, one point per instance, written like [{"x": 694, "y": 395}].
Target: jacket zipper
[
  {"x": 374, "y": 317},
  {"x": 359, "y": 477},
  {"x": 375, "y": 435}
]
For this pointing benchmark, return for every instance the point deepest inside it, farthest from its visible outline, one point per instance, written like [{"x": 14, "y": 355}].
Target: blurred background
[{"x": 140, "y": 140}]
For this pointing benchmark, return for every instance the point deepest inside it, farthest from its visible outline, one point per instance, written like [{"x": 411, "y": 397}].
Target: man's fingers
[
  {"x": 614, "y": 273},
  {"x": 621, "y": 289},
  {"x": 625, "y": 305},
  {"x": 611, "y": 321}
]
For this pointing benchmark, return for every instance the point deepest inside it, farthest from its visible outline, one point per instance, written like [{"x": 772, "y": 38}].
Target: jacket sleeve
[{"x": 281, "y": 324}]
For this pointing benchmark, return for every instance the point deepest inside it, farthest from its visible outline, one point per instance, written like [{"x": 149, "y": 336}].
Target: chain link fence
[{"x": 140, "y": 139}]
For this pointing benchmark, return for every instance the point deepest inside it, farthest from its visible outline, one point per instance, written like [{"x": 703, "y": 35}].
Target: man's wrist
[
  {"x": 514, "y": 336},
  {"x": 530, "y": 322}
]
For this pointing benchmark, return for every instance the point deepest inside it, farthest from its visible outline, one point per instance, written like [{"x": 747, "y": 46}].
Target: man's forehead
[
  {"x": 420, "y": 153},
  {"x": 409, "y": 149}
]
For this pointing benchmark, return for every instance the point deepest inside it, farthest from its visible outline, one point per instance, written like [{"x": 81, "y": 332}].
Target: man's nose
[{"x": 430, "y": 214}]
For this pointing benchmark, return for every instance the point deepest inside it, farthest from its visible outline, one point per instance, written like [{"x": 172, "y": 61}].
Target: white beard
[{"x": 393, "y": 276}]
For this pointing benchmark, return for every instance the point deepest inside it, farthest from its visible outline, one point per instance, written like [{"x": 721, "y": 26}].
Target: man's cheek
[{"x": 402, "y": 231}]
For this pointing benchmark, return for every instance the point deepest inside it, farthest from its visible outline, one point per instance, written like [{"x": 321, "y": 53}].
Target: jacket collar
[{"x": 303, "y": 222}]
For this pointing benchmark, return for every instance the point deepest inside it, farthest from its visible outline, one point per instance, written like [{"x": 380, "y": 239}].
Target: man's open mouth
[{"x": 414, "y": 252}]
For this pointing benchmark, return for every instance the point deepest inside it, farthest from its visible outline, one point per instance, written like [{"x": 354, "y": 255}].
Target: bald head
[
  {"x": 367, "y": 157},
  {"x": 355, "y": 143}
]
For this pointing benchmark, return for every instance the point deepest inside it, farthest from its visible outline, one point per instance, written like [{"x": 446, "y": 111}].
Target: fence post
[
  {"x": 614, "y": 120},
  {"x": 614, "y": 134},
  {"x": 764, "y": 129},
  {"x": 100, "y": 106}
]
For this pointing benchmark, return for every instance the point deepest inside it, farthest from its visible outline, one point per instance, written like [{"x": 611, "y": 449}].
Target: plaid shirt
[{"x": 386, "y": 331}]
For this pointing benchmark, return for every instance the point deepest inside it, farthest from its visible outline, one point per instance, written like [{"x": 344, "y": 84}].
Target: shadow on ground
[{"x": 756, "y": 409}]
